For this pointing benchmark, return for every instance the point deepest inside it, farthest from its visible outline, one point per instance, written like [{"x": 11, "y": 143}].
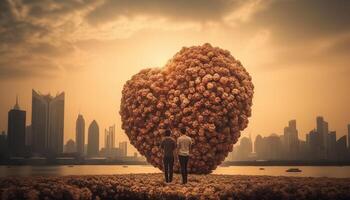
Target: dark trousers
[
  {"x": 168, "y": 168},
  {"x": 183, "y": 164}
]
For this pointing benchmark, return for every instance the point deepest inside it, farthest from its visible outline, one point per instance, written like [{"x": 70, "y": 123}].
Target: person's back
[
  {"x": 168, "y": 145},
  {"x": 184, "y": 142},
  {"x": 184, "y": 146}
]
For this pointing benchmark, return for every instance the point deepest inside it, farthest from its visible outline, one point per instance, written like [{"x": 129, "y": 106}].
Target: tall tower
[
  {"x": 123, "y": 148},
  {"x": 291, "y": 140},
  {"x": 349, "y": 136},
  {"x": 47, "y": 123},
  {"x": 28, "y": 136},
  {"x": 16, "y": 130},
  {"x": 80, "y": 134},
  {"x": 93, "y": 139},
  {"x": 319, "y": 128},
  {"x": 294, "y": 139},
  {"x": 110, "y": 138},
  {"x": 325, "y": 135},
  {"x": 322, "y": 131}
]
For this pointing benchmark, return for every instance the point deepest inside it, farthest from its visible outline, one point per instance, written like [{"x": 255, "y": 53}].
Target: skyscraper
[
  {"x": 319, "y": 123},
  {"x": 3, "y": 145},
  {"x": 273, "y": 147},
  {"x": 258, "y": 146},
  {"x": 349, "y": 136},
  {"x": 110, "y": 138},
  {"x": 29, "y": 136},
  {"x": 291, "y": 140},
  {"x": 268, "y": 148},
  {"x": 322, "y": 130},
  {"x": 319, "y": 129},
  {"x": 332, "y": 143},
  {"x": 80, "y": 134},
  {"x": 123, "y": 148},
  {"x": 314, "y": 145},
  {"x": 341, "y": 148},
  {"x": 16, "y": 130},
  {"x": 325, "y": 135},
  {"x": 93, "y": 139},
  {"x": 47, "y": 123}
]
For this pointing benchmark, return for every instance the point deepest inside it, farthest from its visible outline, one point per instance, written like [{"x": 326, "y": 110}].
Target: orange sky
[{"x": 296, "y": 51}]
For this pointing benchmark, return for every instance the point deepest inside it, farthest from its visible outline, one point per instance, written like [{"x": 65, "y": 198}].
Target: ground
[{"x": 152, "y": 186}]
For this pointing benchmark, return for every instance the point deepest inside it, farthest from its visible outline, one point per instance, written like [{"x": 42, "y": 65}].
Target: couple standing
[{"x": 183, "y": 145}]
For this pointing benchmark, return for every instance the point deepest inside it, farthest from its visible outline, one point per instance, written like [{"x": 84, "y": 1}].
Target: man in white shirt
[{"x": 184, "y": 146}]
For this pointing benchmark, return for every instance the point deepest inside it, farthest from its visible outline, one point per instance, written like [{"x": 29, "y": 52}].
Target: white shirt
[{"x": 183, "y": 143}]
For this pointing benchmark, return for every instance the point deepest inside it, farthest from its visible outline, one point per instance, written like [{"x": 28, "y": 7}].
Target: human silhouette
[
  {"x": 168, "y": 145},
  {"x": 184, "y": 145}
]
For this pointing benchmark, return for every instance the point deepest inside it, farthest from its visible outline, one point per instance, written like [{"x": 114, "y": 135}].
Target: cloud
[
  {"x": 35, "y": 36},
  {"x": 180, "y": 10},
  {"x": 299, "y": 20},
  {"x": 339, "y": 46},
  {"x": 304, "y": 33},
  {"x": 24, "y": 66},
  {"x": 49, "y": 30}
]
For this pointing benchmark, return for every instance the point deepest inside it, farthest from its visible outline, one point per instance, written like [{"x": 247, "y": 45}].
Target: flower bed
[{"x": 152, "y": 186}]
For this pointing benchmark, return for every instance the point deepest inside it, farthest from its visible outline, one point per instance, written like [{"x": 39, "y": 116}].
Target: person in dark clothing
[
  {"x": 168, "y": 145},
  {"x": 183, "y": 165},
  {"x": 184, "y": 147}
]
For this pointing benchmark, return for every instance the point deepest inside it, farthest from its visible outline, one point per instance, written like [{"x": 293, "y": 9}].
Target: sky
[{"x": 296, "y": 51}]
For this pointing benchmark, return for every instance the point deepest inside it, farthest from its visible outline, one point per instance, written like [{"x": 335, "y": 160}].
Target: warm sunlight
[{"x": 64, "y": 64}]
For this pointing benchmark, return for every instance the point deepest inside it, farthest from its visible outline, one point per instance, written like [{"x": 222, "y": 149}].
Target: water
[{"x": 64, "y": 170}]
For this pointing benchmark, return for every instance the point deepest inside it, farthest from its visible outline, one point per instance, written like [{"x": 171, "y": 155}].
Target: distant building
[
  {"x": 314, "y": 145},
  {"x": 3, "y": 144},
  {"x": 16, "y": 130},
  {"x": 291, "y": 141},
  {"x": 110, "y": 138},
  {"x": 303, "y": 149},
  {"x": 80, "y": 134},
  {"x": 273, "y": 147},
  {"x": 245, "y": 148},
  {"x": 341, "y": 148},
  {"x": 258, "y": 146},
  {"x": 349, "y": 136},
  {"x": 47, "y": 123},
  {"x": 70, "y": 147},
  {"x": 29, "y": 136},
  {"x": 268, "y": 148},
  {"x": 281, "y": 147},
  {"x": 85, "y": 149},
  {"x": 319, "y": 128},
  {"x": 110, "y": 153},
  {"x": 93, "y": 139},
  {"x": 123, "y": 148},
  {"x": 232, "y": 156},
  {"x": 322, "y": 130},
  {"x": 242, "y": 151},
  {"x": 332, "y": 145}
]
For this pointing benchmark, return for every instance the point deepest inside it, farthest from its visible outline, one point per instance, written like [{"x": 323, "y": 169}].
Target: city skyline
[
  {"x": 290, "y": 132},
  {"x": 320, "y": 145},
  {"x": 342, "y": 130}
]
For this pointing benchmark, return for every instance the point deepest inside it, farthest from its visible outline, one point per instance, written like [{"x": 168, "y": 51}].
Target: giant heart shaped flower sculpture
[{"x": 203, "y": 89}]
